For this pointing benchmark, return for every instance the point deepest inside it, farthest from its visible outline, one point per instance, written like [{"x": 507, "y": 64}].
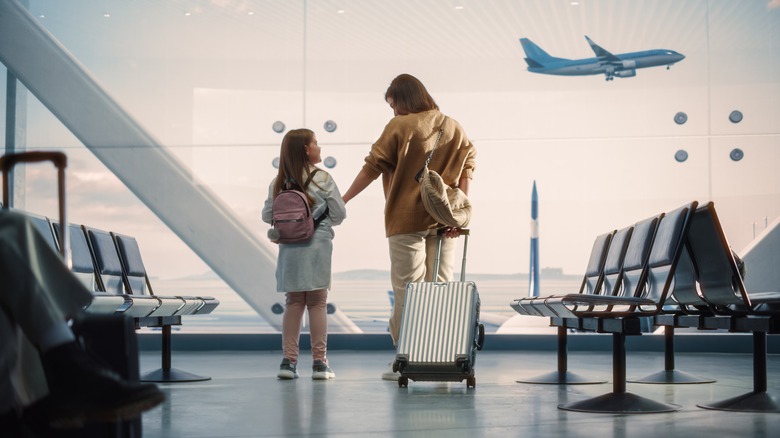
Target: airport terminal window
[{"x": 217, "y": 84}]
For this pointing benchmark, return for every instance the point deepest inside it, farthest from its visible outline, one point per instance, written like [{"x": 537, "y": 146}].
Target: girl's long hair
[
  {"x": 410, "y": 95},
  {"x": 294, "y": 169}
]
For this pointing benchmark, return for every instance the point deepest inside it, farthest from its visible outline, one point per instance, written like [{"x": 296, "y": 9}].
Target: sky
[{"x": 209, "y": 79}]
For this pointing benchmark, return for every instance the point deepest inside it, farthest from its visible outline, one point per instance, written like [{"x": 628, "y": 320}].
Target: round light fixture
[
  {"x": 681, "y": 155},
  {"x": 735, "y": 116}
]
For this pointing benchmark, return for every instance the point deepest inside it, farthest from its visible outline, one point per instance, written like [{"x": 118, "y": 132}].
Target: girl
[{"x": 303, "y": 270}]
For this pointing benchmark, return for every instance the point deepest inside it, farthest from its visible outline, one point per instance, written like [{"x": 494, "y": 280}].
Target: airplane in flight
[{"x": 611, "y": 66}]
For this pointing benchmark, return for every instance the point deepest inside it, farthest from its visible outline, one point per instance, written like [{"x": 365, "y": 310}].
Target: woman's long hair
[
  {"x": 410, "y": 95},
  {"x": 294, "y": 169}
]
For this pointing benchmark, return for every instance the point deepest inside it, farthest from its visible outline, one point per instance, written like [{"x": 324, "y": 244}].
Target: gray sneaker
[
  {"x": 287, "y": 370},
  {"x": 321, "y": 371}
]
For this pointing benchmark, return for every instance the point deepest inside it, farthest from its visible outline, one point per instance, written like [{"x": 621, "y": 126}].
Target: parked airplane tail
[{"x": 536, "y": 57}]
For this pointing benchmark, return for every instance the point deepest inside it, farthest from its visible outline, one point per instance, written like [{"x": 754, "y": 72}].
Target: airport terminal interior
[{"x": 588, "y": 117}]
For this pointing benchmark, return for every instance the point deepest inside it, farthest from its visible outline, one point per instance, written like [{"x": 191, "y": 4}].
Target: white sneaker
[{"x": 389, "y": 374}]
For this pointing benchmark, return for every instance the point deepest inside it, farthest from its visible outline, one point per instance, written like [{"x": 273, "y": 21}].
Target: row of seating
[
  {"x": 672, "y": 270},
  {"x": 110, "y": 265}
]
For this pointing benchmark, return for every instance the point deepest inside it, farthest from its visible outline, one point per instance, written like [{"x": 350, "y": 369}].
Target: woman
[
  {"x": 398, "y": 155},
  {"x": 303, "y": 270}
]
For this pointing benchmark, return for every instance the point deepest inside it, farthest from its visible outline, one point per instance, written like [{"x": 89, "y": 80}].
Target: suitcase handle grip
[
  {"x": 60, "y": 161},
  {"x": 461, "y": 231},
  {"x": 8, "y": 161}
]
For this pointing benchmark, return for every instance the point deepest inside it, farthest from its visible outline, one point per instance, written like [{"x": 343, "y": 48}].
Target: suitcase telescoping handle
[
  {"x": 60, "y": 161},
  {"x": 440, "y": 233}
]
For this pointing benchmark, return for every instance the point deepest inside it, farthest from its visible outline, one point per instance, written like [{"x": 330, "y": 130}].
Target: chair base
[
  {"x": 750, "y": 402},
  {"x": 171, "y": 375},
  {"x": 561, "y": 378},
  {"x": 675, "y": 377},
  {"x": 620, "y": 403}
]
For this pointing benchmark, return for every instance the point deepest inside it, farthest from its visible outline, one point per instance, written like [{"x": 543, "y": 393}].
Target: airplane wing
[{"x": 601, "y": 52}]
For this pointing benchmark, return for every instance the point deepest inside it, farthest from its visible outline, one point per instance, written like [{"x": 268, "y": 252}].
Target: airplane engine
[
  {"x": 628, "y": 65},
  {"x": 625, "y": 73}
]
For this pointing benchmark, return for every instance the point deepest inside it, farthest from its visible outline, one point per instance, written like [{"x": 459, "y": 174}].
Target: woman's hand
[{"x": 452, "y": 232}]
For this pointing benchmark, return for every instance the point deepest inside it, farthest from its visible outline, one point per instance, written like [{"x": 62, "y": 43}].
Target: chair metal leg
[
  {"x": 619, "y": 401},
  {"x": 757, "y": 400},
  {"x": 670, "y": 375},
  {"x": 166, "y": 374},
  {"x": 562, "y": 376}
]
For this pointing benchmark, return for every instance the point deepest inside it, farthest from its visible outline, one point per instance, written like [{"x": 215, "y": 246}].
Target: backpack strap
[
  {"x": 290, "y": 180},
  {"x": 324, "y": 214}
]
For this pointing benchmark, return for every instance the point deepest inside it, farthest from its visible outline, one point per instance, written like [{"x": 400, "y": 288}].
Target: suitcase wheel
[
  {"x": 471, "y": 382},
  {"x": 403, "y": 382},
  {"x": 464, "y": 366}
]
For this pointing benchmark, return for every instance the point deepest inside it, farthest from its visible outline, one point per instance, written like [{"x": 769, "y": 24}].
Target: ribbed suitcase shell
[{"x": 439, "y": 326}]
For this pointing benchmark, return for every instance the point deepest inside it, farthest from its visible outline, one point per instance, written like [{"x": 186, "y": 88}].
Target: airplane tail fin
[{"x": 536, "y": 57}]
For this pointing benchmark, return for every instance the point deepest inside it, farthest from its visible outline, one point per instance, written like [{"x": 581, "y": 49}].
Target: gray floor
[{"x": 244, "y": 398}]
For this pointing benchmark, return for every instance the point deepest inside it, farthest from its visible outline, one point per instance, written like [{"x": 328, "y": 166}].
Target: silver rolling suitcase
[{"x": 440, "y": 330}]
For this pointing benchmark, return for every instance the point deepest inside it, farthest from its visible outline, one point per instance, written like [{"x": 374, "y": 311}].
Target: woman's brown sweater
[{"x": 400, "y": 153}]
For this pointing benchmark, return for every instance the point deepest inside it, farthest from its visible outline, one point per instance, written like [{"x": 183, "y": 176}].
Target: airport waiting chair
[
  {"x": 734, "y": 308},
  {"x": 611, "y": 281},
  {"x": 654, "y": 283},
  {"x": 137, "y": 279},
  {"x": 591, "y": 282},
  {"x": 110, "y": 277},
  {"x": 83, "y": 268},
  {"x": 684, "y": 302},
  {"x": 44, "y": 227},
  {"x": 137, "y": 283},
  {"x": 107, "y": 273},
  {"x": 535, "y": 306}
]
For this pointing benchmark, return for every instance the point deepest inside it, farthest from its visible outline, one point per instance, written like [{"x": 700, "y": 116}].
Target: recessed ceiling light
[
  {"x": 341, "y": 11},
  {"x": 187, "y": 14},
  {"x": 106, "y": 15},
  {"x": 575, "y": 3},
  {"x": 459, "y": 7},
  {"x": 41, "y": 16},
  {"x": 251, "y": 13}
]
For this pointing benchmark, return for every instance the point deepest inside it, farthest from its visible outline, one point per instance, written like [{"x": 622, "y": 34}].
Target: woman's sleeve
[
  {"x": 383, "y": 155},
  {"x": 470, "y": 164}
]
